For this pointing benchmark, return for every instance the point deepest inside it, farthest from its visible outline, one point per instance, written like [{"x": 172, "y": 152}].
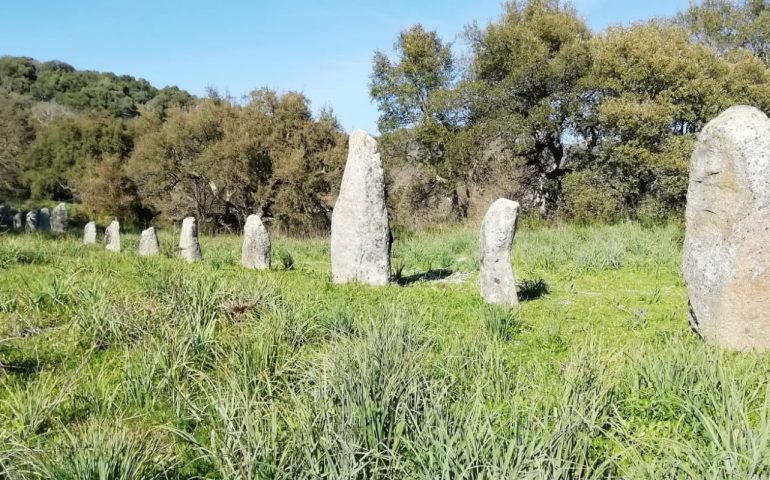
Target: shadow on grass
[
  {"x": 532, "y": 290},
  {"x": 429, "y": 276}
]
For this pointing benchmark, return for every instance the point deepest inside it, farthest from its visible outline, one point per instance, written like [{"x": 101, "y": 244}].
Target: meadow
[{"x": 114, "y": 366}]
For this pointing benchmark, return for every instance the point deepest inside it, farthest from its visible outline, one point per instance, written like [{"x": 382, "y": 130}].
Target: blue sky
[{"x": 320, "y": 47}]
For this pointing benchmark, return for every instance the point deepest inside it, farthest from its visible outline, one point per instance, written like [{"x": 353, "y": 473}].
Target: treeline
[
  {"x": 568, "y": 122},
  {"x": 124, "y": 148},
  {"x": 537, "y": 108}
]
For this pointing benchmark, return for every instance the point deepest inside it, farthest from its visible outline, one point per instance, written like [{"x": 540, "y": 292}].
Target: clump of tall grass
[
  {"x": 502, "y": 322},
  {"x": 107, "y": 449}
]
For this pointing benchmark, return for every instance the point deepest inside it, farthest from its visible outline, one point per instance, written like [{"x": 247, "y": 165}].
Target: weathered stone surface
[
  {"x": 360, "y": 239},
  {"x": 189, "y": 248},
  {"x": 256, "y": 244},
  {"x": 148, "y": 243},
  {"x": 31, "y": 221},
  {"x": 6, "y": 223},
  {"x": 44, "y": 220},
  {"x": 727, "y": 241},
  {"x": 498, "y": 284},
  {"x": 89, "y": 233},
  {"x": 18, "y": 221},
  {"x": 59, "y": 219},
  {"x": 112, "y": 237}
]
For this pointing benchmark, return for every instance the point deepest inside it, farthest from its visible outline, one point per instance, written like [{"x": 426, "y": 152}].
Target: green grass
[{"x": 116, "y": 366}]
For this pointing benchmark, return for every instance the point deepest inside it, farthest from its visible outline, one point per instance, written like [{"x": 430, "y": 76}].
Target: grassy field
[{"x": 120, "y": 367}]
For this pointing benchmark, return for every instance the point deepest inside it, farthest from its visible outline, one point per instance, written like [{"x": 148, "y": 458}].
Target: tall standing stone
[
  {"x": 256, "y": 244},
  {"x": 89, "y": 233},
  {"x": 148, "y": 243},
  {"x": 112, "y": 237},
  {"x": 727, "y": 240},
  {"x": 18, "y": 221},
  {"x": 498, "y": 284},
  {"x": 44, "y": 220},
  {"x": 360, "y": 240},
  {"x": 189, "y": 248},
  {"x": 6, "y": 223},
  {"x": 31, "y": 221},
  {"x": 59, "y": 219}
]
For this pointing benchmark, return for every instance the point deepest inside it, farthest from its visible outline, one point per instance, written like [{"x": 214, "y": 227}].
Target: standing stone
[
  {"x": 31, "y": 221},
  {"x": 256, "y": 244},
  {"x": 6, "y": 223},
  {"x": 44, "y": 220},
  {"x": 18, "y": 221},
  {"x": 89, "y": 233},
  {"x": 498, "y": 285},
  {"x": 59, "y": 219},
  {"x": 148, "y": 243},
  {"x": 189, "y": 248},
  {"x": 727, "y": 240},
  {"x": 360, "y": 243},
  {"x": 112, "y": 237}
]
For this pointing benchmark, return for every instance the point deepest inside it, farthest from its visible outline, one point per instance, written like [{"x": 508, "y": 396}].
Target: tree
[
  {"x": 65, "y": 147},
  {"x": 105, "y": 190},
  {"x": 525, "y": 94},
  {"x": 221, "y": 161},
  {"x": 727, "y": 25},
  {"x": 651, "y": 91},
  {"x": 404, "y": 88},
  {"x": 16, "y": 132}
]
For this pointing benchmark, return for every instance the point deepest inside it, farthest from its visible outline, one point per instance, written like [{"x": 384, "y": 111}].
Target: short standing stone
[
  {"x": 18, "y": 221},
  {"x": 112, "y": 237},
  {"x": 148, "y": 243},
  {"x": 189, "y": 248},
  {"x": 360, "y": 239},
  {"x": 59, "y": 219},
  {"x": 498, "y": 284},
  {"x": 89, "y": 233},
  {"x": 727, "y": 241},
  {"x": 31, "y": 221},
  {"x": 44, "y": 220},
  {"x": 256, "y": 244}
]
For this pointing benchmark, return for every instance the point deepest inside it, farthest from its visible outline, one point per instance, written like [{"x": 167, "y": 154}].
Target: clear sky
[{"x": 320, "y": 47}]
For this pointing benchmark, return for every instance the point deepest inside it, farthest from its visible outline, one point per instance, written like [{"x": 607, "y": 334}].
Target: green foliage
[
  {"x": 86, "y": 91},
  {"x": 727, "y": 25},
  {"x": 17, "y": 132},
  {"x": 221, "y": 161},
  {"x": 65, "y": 148}
]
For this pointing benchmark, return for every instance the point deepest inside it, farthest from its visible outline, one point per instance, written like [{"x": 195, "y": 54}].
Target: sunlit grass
[{"x": 117, "y": 366}]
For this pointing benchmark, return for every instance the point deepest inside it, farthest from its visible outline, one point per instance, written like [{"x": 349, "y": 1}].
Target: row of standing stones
[
  {"x": 726, "y": 252},
  {"x": 361, "y": 240},
  {"x": 34, "y": 220},
  {"x": 256, "y": 242}
]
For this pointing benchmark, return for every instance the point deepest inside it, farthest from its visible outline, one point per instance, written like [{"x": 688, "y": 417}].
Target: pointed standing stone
[
  {"x": 189, "y": 248},
  {"x": 148, "y": 243},
  {"x": 44, "y": 220},
  {"x": 89, "y": 233},
  {"x": 360, "y": 240},
  {"x": 59, "y": 219},
  {"x": 498, "y": 285},
  {"x": 112, "y": 237},
  {"x": 18, "y": 221},
  {"x": 256, "y": 244},
  {"x": 727, "y": 247},
  {"x": 31, "y": 221}
]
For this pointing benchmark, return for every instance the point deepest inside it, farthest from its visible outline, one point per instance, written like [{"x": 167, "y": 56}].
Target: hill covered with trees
[{"x": 125, "y": 148}]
